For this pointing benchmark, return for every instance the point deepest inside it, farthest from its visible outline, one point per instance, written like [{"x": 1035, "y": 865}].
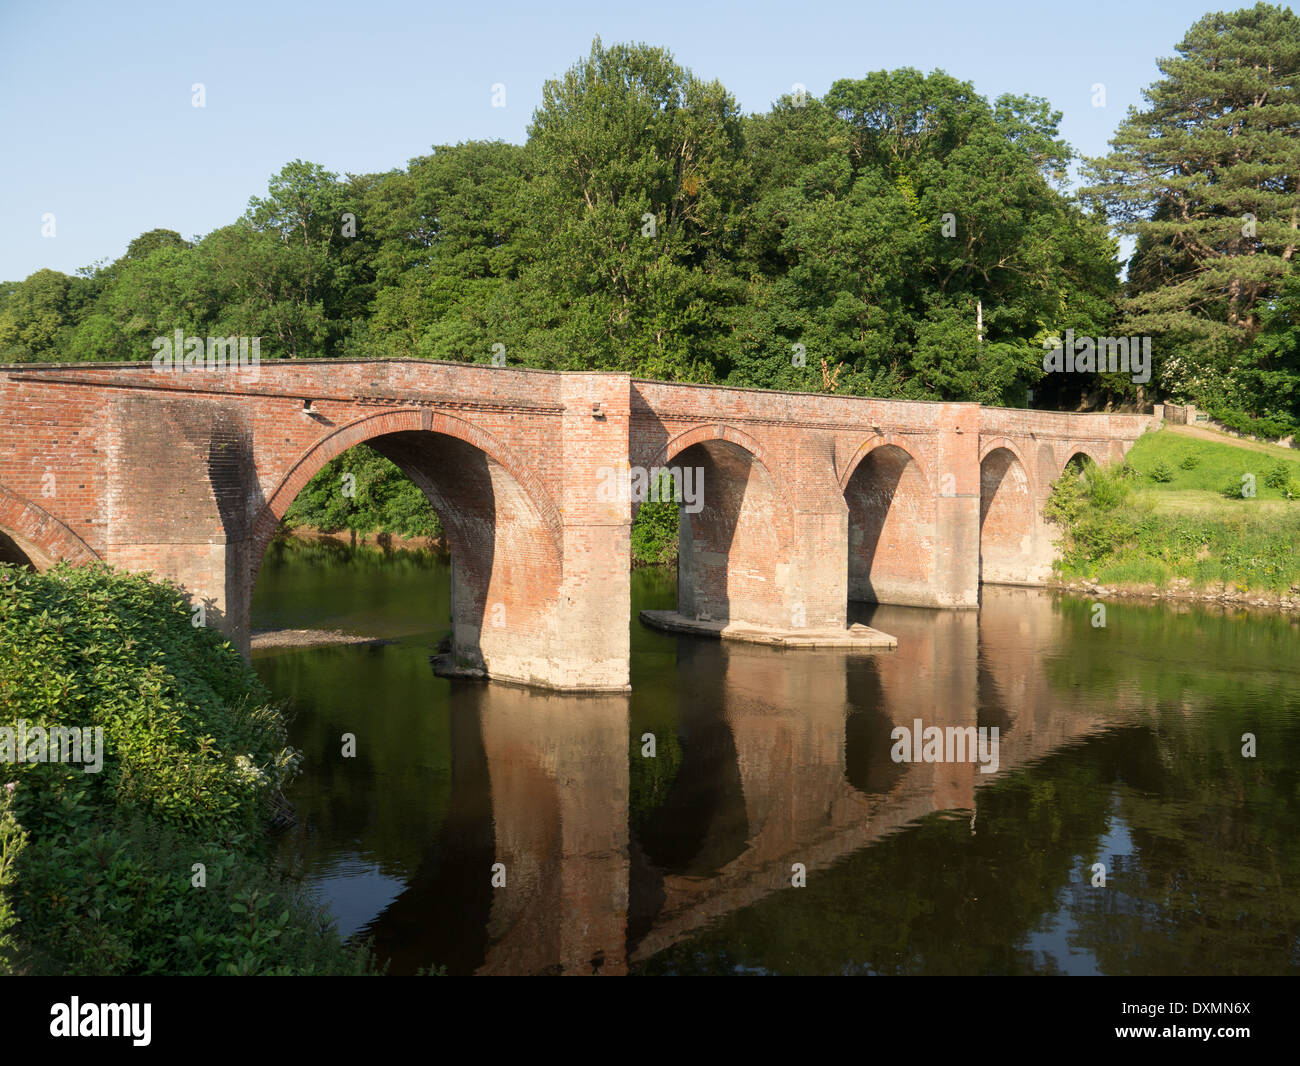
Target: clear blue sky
[{"x": 97, "y": 126}]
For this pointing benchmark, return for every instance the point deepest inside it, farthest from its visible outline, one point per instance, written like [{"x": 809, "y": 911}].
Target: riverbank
[
  {"x": 1183, "y": 593},
  {"x": 1190, "y": 516},
  {"x": 368, "y": 539},
  {"x": 652, "y": 544},
  {"x": 186, "y": 762}
]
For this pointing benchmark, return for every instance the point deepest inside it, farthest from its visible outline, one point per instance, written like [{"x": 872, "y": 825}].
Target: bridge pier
[{"x": 956, "y": 581}]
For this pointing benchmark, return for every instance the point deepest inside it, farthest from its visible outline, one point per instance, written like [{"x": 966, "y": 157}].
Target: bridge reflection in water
[{"x": 780, "y": 758}]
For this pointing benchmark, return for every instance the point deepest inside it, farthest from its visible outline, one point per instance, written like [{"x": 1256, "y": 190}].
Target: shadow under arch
[
  {"x": 1007, "y": 517},
  {"x": 892, "y": 519},
  {"x": 502, "y": 529},
  {"x": 736, "y": 552}
]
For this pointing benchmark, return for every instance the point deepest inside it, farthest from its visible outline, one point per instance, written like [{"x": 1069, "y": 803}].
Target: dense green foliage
[
  {"x": 849, "y": 243},
  {"x": 1183, "y": 518},
  {"x": 362, "y": 492},
  {"x": 1273, "y": 427},
  {"x": 648, "y": 226},
  {"x": 12, "y": 841},
  {"x": 193, "y": 759},
  {"x": 1205, "y": 177}
]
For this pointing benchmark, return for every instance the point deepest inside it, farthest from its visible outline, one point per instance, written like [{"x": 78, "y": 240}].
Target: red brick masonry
[{"x": 809, "y": 500}]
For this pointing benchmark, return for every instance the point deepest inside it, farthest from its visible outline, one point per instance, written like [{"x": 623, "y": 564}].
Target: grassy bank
[
  {"x": 158, "y": 863},
  {"x": 1185, "y": 512}
]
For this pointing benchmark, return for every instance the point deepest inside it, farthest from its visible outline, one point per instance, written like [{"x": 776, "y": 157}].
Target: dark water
[{"x": 1119, "y": 745}]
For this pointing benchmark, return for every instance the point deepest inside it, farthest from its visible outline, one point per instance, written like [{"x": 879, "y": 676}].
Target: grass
[
  {"x": 1175, "y": 513},
  {"x": 1216, "y": 464}
]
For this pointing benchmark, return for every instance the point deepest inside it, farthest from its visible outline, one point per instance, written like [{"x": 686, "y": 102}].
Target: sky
[{"x": 98, "y": 127}]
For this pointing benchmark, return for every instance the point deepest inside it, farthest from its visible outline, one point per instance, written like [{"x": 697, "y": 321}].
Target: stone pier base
[{"x": 855, "y": 636}]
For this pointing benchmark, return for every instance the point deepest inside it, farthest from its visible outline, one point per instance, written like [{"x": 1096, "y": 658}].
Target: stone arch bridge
[{"x": 808, "y": 500}]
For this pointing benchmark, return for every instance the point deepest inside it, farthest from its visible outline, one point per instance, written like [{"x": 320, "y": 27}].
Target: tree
[
  {"x": 152, "y": 240},
  {"x": 639, "y": 178},
  {"x": 1271, "y": 374},
  {"x": 148, "y": 297},
  {"x": 448, "y": 235},
  {"x": 313, "y": 250},
  {"x": 37, "y": 316},
  {"x": 890, "y": 218},
  {"x": 1205, "y": 177}
]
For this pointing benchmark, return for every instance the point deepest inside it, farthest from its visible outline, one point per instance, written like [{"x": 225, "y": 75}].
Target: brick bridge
[{"x": 809, "y": 500}]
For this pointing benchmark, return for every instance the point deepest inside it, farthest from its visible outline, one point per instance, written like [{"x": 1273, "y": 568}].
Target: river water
[{"x": 487, "y": 828}]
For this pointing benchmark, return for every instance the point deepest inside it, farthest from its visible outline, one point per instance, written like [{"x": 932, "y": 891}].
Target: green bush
[
  {"x": 1269, "y": 428},
  {"x": 1090, "y": 509},
  {"x": 1106, "y": 489},
  {"x": 12, "y": 841},
  {"x": 1160, "y": 471},
  {"x": 1190, "y": 461},
  {"x": 1278, "y": 476},
  {"x": 193, "y": 758},
  {"x": 654, "y": 530}
]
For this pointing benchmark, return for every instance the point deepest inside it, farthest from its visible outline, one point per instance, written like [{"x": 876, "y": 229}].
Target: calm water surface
[{"x": 1119, "y": 745}]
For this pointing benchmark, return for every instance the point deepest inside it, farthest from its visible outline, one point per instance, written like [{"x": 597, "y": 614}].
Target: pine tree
[{"x": 1206, "y": 179}]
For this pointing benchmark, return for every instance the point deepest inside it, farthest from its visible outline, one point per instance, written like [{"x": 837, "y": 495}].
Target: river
[{"x": 1127, "y": 828}]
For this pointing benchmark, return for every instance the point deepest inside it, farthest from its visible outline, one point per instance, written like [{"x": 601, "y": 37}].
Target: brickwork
[{"x": 808, "y": 500}]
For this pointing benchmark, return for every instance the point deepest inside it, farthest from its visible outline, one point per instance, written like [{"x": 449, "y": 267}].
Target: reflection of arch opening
[
  {"x": 868, "y": 731},
  {"x": 701, "y": 824},
  {"x": 735, "y": 553},
  {"x": 502, "y": 535},
  {"x": 1006, "y": 519},
  {"x": 891, "y": 528}
]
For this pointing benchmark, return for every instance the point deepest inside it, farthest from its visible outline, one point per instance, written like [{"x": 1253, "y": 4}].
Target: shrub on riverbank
[
  {"x": 1173, "y": 522},
  {"x": 654, "y": 533},
  {"x": 361, "y": 492},
  {"x": 193, "y": 757}
]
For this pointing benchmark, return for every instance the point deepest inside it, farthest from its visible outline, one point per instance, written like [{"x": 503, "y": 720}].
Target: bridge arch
[
  {"x": 502, "y": 528},
  {"x": 370, "y": 427},
  {"x": 1008, "y": 515},
  {"x": 891, "y": 523},
  {"x": 717, "y": 431},
  {"x": 1088, "y": 450},
  {"x": 991, "y": 444},
  {"x": 37, "y": 536},
  {"x": 896, "y": 440},
  {"x": 736, "y": 543}
]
